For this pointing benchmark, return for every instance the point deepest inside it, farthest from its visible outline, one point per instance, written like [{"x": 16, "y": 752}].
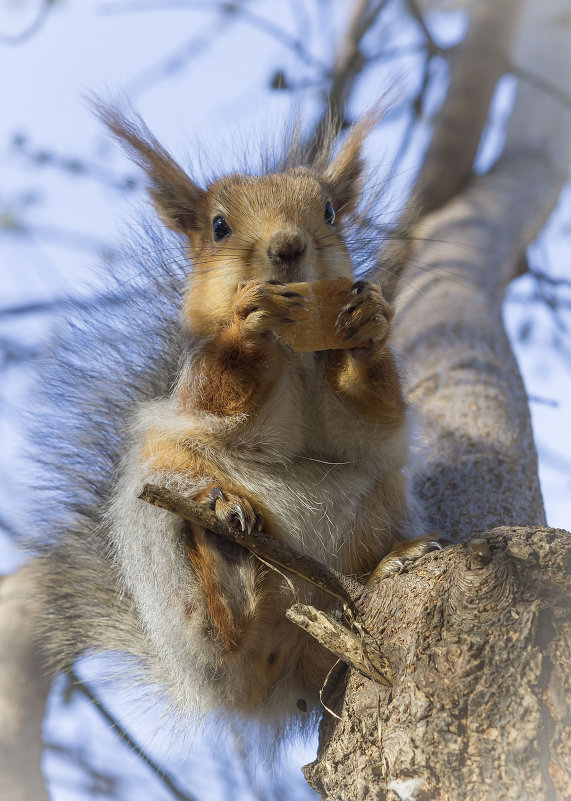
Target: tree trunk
[{"x": 479, "y": 635}]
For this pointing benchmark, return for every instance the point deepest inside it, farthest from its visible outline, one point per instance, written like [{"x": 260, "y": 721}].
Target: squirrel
[{"x": 182, "y": 378}]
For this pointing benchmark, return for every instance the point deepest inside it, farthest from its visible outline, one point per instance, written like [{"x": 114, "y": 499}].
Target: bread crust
[{"x": 315, "y": 329}]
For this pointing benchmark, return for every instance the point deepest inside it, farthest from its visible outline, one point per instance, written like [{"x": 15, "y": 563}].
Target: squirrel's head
[{"x": 286, "y": 225}]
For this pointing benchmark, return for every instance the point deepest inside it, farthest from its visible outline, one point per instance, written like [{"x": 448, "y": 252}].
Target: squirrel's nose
[{"x": 286, "y": 246}]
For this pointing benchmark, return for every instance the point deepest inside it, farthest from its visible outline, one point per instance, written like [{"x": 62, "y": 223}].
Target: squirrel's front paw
[
  {"x": 234, "y": 510},
  {"x": 265, "y": 306},
  {"x": 366, "y": 318}
]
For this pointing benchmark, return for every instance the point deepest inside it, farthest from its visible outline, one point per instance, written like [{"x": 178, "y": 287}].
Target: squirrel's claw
[
  {"x": 234, "y": 510},
  {"x": 405, "y": 551},
  {"x": 265, "y": 306},
  {"x": 366, "y": 317}
]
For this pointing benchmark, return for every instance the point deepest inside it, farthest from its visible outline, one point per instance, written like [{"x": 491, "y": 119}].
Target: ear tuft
[
  {"x": 345, "y": 172},
  {"x": 175, "y": 195}
]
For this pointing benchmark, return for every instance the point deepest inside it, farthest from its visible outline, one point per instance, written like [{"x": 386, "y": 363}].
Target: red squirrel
[{"x": 310, "y": 446}]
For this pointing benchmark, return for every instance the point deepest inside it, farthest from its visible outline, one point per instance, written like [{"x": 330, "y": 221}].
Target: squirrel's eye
[
  {"x": 220, "y": 228},
  {"x": 329, "y": 215}
]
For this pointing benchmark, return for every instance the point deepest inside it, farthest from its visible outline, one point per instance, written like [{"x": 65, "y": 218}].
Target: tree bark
[
  {"x": 479, "y": 709},
  {"x": 24, "y": 688},
  {"x": 475, "y": 69}
]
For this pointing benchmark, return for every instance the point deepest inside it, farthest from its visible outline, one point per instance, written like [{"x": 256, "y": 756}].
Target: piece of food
[{"x": 315, "y": 328}]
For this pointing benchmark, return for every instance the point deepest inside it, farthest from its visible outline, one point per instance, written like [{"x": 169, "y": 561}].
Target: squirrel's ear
[
  {"x": 344, "y": 174},
  {"x": 176, "y": 197}
]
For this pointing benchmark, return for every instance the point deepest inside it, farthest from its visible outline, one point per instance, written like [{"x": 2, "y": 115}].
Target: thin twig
[
  {"x": 348, "y": 65},
  {"x": 418, "y": 101},
  {"x": 35, "y": 25},
  {"x": 104, "y": 300},
  {"x": 81, "y": 687},
  {"x": 74, "y": 165},
  {"x": 342, "y": 642},
  {"x": 10, "y": 530},
  {"x": 417, "y": 14},
  {"x": 239, "y": 12},
  {"x": 357, "y": 650},
  {"x": 60, "y": 236},
  {"x": 269, "y": 548},
  {"x": 553, "y": 281}
]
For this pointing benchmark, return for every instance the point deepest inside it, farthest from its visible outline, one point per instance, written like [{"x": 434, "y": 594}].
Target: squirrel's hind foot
[{"x": 401, "y": 552}]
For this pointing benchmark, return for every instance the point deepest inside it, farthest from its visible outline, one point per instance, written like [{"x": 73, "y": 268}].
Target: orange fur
[
  {"x": 372, "y": 384},
  {"x": 202, "y": 560},
  {"x": 171, "y": 456},
  {"x": 168, "y": 455},
  {"x": 238, "y": 370}
]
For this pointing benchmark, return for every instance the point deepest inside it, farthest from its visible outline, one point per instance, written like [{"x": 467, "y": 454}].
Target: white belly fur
[{"x": 311, "y": 460}]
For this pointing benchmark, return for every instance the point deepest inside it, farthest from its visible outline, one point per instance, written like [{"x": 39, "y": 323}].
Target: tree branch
[
  {"x": 32, "y": 29},
  {"x": 347, "y": 66},
  {"x": 342, "y": 587},
  {"x": 417, "y": 14},
  {"x": 475, "y": 68},
  {"x": 478, "y": 638},
  {"x": 448, "y": 324},
  {"x": 24, "y": 688},
  {"x": 357, "y": 650},
  {"x": 82, "y": 688}
]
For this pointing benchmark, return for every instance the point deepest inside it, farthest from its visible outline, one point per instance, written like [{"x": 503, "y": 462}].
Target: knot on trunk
[{"x": 482, "y": 585}]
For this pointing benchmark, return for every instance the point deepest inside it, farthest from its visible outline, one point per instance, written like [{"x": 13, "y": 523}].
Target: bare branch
[
  {"x": 483, "y": 438},
  {"x": 57, "y": 304},
  {"x": 10, "y": 530},
  {"x": 238, "y": 13},
  {"x": 351, "y": 648},
  {"x": 359, "y": 651},
  {"x": 81, "y": 687},
  {"x": 73, "y": 165},
  {"x": 478, "y": 638},
  {"x": 475, "y": 68},
  {"x": 551, "y": 280},
  {"x": 417, "y": 14},
  {"x": 60, "y": 236},
  {"x": 295, "y": 44},
  {"x": 537, "y": 152},
  {"x": 348, "y": 65},
  {"x": 32, "y": 29},
  {"x": 177, "y": 60}
]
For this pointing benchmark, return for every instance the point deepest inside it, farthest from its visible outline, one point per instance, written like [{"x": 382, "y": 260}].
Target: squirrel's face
[
  {"x": 285, "y": 226},
  {"x": 282, "y": 226}
]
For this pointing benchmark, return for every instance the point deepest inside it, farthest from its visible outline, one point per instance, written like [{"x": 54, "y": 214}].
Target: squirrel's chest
[{"x": 303, "y": 418}]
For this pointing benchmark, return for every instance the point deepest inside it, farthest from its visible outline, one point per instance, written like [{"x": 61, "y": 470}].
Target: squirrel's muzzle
[{"x": 286, "y": 247}]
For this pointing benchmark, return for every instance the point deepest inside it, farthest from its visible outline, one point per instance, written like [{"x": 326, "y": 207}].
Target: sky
[{"x": 199, "y": 96}]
